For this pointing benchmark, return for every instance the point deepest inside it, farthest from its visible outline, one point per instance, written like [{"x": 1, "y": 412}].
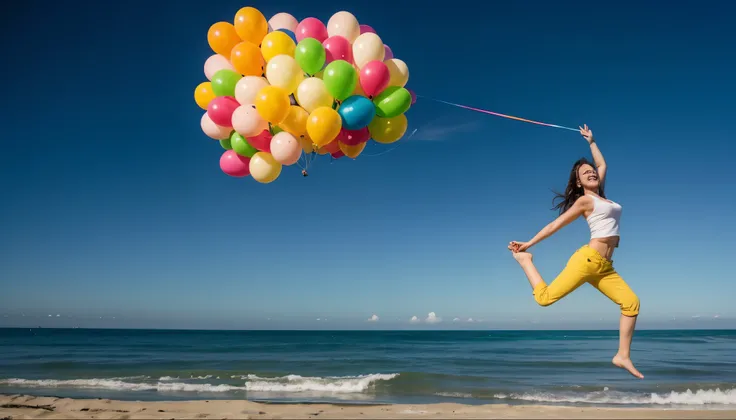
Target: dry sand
[{"x": 28, "y": 407}]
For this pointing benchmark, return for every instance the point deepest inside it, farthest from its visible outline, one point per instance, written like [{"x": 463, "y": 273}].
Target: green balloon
[
  {"x": 225, "y": 143},
  {"x": 224, "y": 81},
  {"x": 340, "y": 79},
  {"x": 241, "y": 145},
  {"x": 393, "y": 101},
  {"x": 310, "y": 54},
  {"x": 275, "y": 129}
]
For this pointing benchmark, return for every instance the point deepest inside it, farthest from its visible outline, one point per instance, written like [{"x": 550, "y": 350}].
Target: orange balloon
[
  {"x": 352, "y": 151},
  {"x": 247, "y": 60},
  {"x": 306, "y": 144},
  {"x": 222, "y": 38},
  {"x": 251, "y": 25}
]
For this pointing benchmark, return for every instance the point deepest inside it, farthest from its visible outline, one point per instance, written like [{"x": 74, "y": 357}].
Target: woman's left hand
[{"x": 586, "y": 133}]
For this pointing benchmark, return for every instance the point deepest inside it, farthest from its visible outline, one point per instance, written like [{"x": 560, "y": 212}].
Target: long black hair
[{"x": 572, "y": 191}]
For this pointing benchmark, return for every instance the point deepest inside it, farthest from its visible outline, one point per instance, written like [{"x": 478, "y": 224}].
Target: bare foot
[
  {"x": 522, "y": 257},
  {"x": 626, "y": 363}
]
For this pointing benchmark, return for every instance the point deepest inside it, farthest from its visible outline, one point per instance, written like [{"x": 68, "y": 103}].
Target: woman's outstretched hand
[
  {"x": 516, "y": 246},
  {"x": 586, "y": 133}
]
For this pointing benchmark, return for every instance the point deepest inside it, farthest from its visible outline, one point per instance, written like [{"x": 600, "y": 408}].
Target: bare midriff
[{"x": 605, "y": 246}]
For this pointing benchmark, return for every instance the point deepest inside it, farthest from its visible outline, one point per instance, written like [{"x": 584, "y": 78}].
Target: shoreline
[{"x": 31, "y": 407}]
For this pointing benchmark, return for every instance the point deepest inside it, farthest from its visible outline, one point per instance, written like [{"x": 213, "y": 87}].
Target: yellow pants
[{"x": 588, "y": 266}]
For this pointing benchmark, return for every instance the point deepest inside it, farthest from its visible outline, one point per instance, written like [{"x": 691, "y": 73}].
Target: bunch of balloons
[{"x": 280, "y": 88}]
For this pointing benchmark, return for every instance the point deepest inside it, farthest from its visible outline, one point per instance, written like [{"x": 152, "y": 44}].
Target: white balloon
[
  {"x": 285, "y": 148},
  {"x": 283, "y": 21},
  {"x": 248, "y": 122},
  {"x": 312, "y": 94},
  {"x": 213, "y": 130},
  {"x": 345, "y": 25},
  {"x": 398, "y": 71},
  {"x": 368, "y": 47},
  {"x": 216, "y": 63},
  {"x": 248, "y": 87},
  {"x": 283, "y": 71}
]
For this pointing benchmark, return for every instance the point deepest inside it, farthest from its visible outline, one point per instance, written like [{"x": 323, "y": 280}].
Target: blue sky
[{"x": 114, "y": 204}]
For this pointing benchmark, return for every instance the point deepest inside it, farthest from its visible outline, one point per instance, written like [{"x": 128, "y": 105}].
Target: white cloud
[
  {"x": 716, "y": 316},
  {"x": 470, "y": 319},
  {"x": 414, "y": 319},
  {"x": 373, "y": 318},
  {"x": 456, "y": 320},
  {"x": 432, "y": 318}
]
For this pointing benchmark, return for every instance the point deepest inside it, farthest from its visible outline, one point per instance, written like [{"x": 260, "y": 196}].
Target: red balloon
[
  {"x": 332, "y": 147},
  {"x": 234, "y": 165},
  {"x": 337, "y": 155},
  {"x": 311, "y": 28},
  {"x": 374, "y": 77},
  {"x": 413, "y": 96},
  {"x": 220, "y": 110},
  {"x": 262, "y": 142},
  {"x": 354, "y": 137},
  {"x": 337, "y": 48}
]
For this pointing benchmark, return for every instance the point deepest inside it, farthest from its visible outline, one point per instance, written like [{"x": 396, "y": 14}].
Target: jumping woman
[{"x": 591, "y": 263}]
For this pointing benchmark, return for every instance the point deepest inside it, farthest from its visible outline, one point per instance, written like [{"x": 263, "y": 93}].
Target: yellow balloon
[
  {"x": 277, "y": 43},
  {"x": 359, "y": 90},
  {"x": 352, "y": 151},
  {"x": 295, "y": 122},
  {"x": 388, "y": 130},
  {"x": 306, "y": 144},
  {"x": 203, "y": 94},
  {"x": 272, "y": 104},
  {"x": 312, "y": 94},
  {"x": 283, "y": 71},
  {"x": 264, "y": 168},
  {"x": 251, "y": 25},
  {"x": 323, "y": 125},
  {"x": 398, "y": 72}
]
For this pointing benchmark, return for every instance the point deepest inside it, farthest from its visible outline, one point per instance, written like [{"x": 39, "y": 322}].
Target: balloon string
[
  {"x": 497, "y": 114},
  {"x": 392, "y": 149}
]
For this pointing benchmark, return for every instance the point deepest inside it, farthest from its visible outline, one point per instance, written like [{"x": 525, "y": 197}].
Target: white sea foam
[
  {"x": 119, "y": 385},
  {"x": 689, "y": 397},
  {"x": 329, "y": 384}
]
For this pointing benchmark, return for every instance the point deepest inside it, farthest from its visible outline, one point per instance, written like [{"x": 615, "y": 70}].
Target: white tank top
[{"x": 604, "y": 219}]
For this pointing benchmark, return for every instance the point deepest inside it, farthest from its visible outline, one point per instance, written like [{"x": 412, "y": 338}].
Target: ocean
[{"x": 685, "y": 368}]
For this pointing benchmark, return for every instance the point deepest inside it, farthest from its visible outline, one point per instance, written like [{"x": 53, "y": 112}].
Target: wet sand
[{"x": 29, "y": 407}]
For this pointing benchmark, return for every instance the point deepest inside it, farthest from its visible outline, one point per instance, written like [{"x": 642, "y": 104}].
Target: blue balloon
[
  {"x": 292, "y": 35},
  {"x": 356, "y": 112}
]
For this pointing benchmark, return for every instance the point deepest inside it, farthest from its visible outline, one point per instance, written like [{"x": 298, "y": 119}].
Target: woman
[{"x": 592, "y": 263}]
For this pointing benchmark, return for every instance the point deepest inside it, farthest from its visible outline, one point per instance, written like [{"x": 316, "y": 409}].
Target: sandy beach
[{"x": 29, "y": 407}]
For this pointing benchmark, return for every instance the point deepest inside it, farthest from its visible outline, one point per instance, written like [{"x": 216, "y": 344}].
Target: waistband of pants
[{"x": 594, "y": 255}]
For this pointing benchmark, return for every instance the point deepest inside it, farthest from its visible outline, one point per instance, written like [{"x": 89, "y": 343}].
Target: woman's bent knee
[
  {"x": 630, "y": 306},
  {"x": 541, "y": 295}
]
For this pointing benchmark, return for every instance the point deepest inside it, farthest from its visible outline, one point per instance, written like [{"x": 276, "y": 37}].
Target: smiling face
[{"x": 588, "y": 177}]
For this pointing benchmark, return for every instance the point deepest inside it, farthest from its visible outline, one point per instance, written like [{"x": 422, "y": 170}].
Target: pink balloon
[
  {"x": 366, "y": 28},
  {"x": 234, "y": 165},
  {"x": 374, "y": 77},
  {"x": 213, "y": 130},
  {"x": 338, "y": 48},
  {"x": 311, "y": 28},
  {"x": 354, "y": 137},
  {"x": 389, "y": 54},
  {"x": 220, "y": 110},
  {"x": 413, "y": 96},
  {"x": 285, "y": 148},
  {"x": 216, "y": 63},
  {"x": 262, "y": 142}
]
